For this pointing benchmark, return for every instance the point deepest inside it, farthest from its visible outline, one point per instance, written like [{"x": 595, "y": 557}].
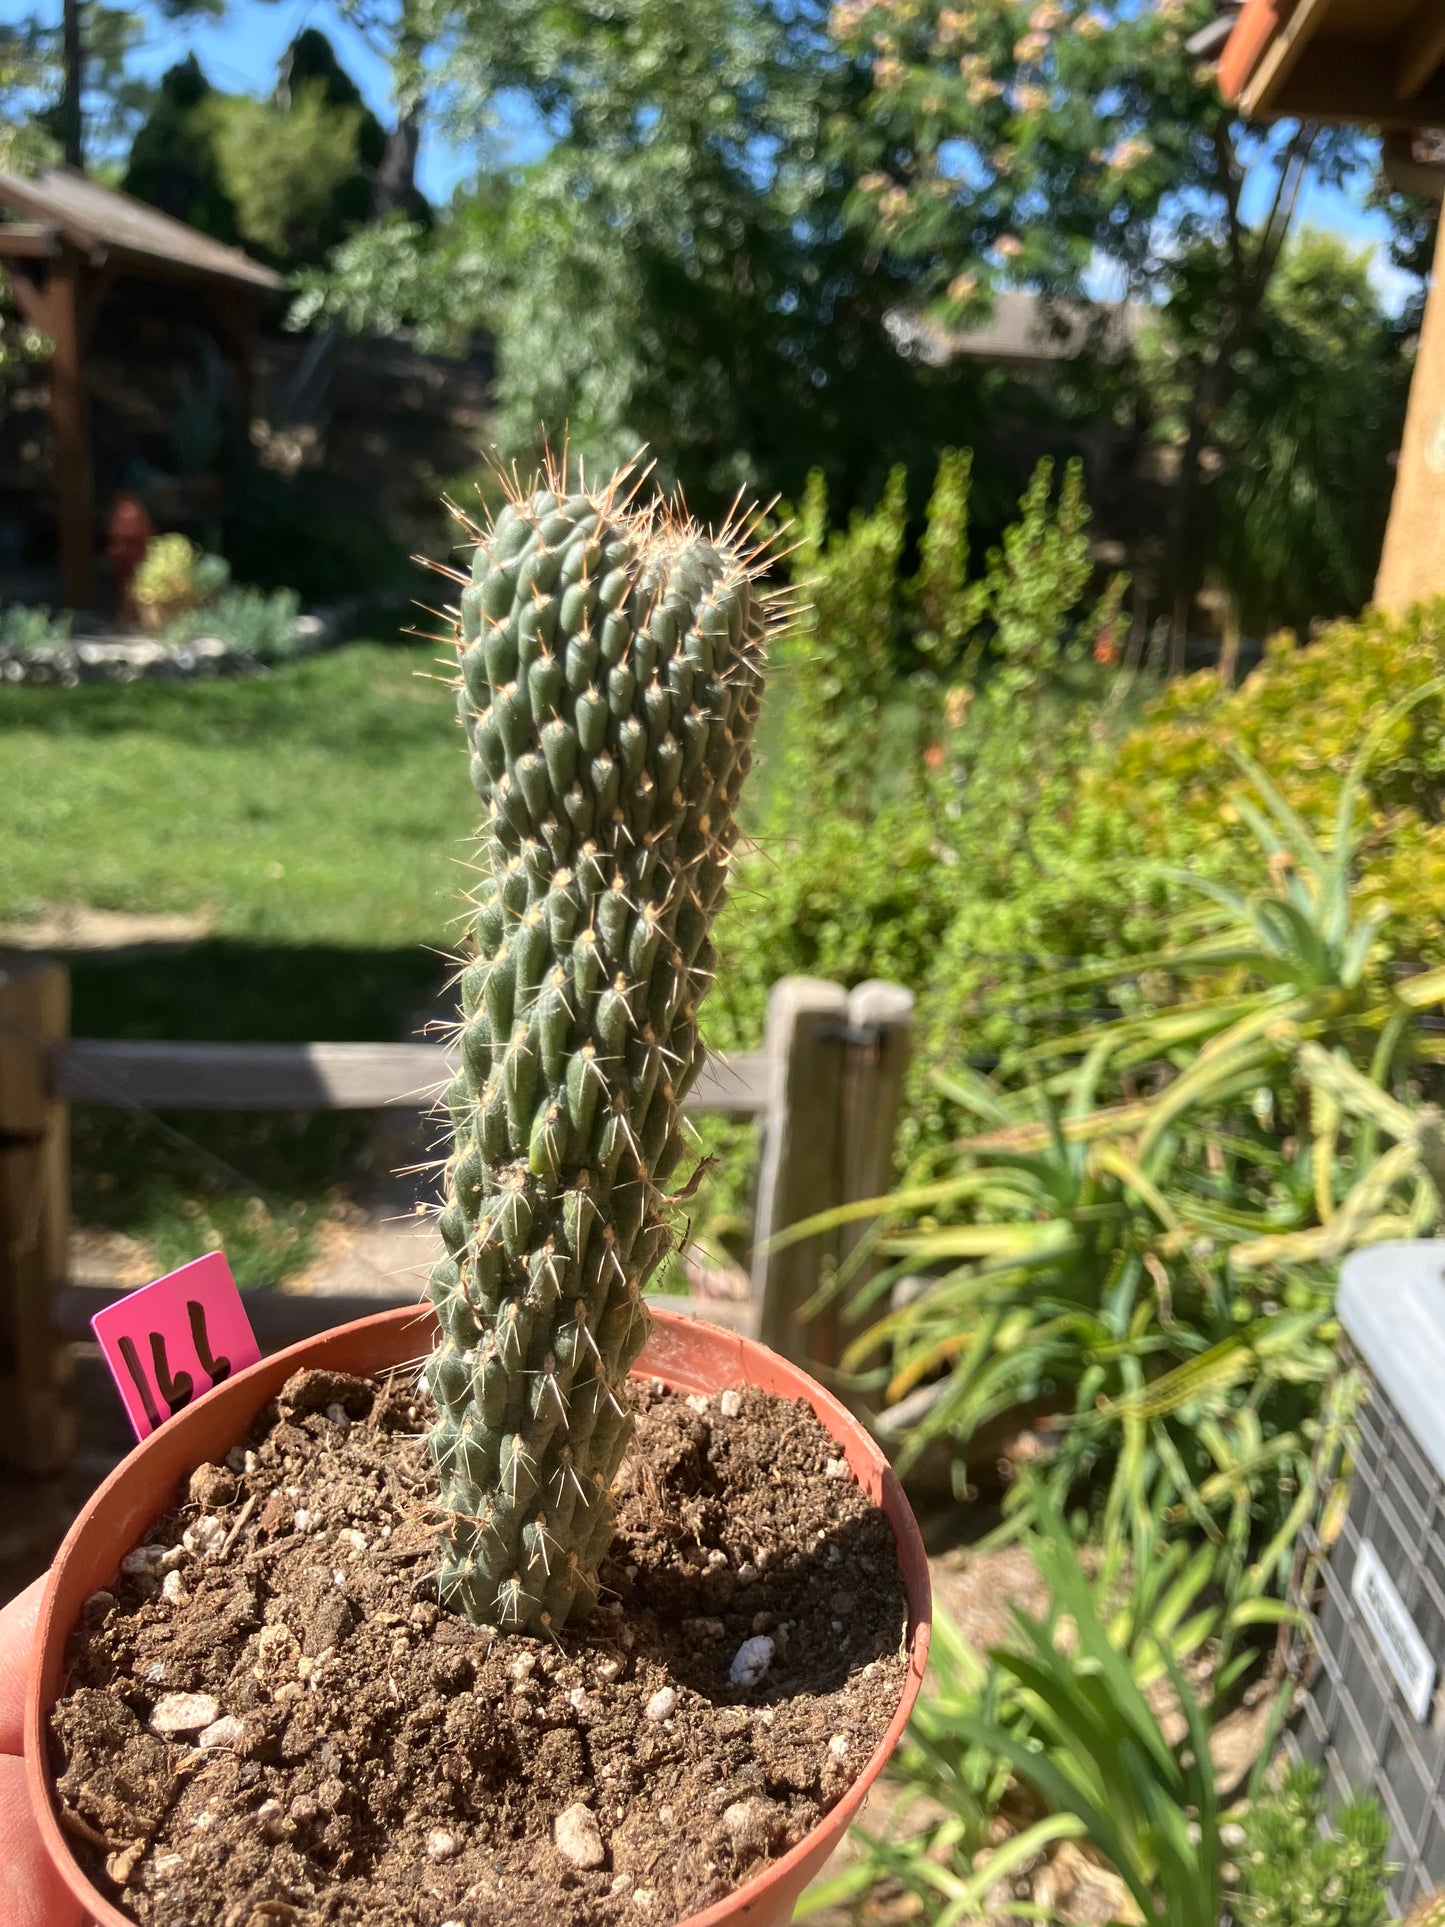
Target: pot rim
[{"x": 755, "y": 1364}]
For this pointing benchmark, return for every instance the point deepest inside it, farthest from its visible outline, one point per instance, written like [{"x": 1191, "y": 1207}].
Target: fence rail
[
  {"x": 824, "y": 1089},
  {"x": 319, "y": 1077}
]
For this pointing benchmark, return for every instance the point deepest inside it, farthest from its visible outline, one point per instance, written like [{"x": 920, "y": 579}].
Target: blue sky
[{"x": 239, "y": 53}]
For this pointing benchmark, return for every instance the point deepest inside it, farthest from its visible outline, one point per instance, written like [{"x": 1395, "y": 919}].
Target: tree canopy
[
  {"x": 727, "y": 219},
  {"x": 289, "y": 177}
]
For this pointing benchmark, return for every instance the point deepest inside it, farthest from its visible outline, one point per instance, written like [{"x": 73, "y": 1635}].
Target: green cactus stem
[{"x": 611, "y": 673}]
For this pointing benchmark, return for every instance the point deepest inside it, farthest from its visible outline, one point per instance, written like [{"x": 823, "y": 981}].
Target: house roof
[
  {"x": 64, "y": 206},
  {"x": 1024, "y": 330},
  {"x": 1375, "y": 61}
]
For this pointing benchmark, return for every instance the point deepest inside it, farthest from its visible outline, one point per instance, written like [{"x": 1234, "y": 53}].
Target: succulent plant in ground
[{"x": 611, "y": 673}]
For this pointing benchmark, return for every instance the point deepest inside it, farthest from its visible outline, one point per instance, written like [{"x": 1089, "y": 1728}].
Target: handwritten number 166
[{"x": 177, "y": 1390}]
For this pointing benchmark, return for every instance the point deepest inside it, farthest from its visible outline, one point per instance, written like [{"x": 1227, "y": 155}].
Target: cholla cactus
[
  {"x": 611, "y": 660},
  {"x": 1430, "y": 1912}
]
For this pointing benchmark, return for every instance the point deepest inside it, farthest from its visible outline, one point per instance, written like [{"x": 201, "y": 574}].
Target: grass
[
  {"x": 316, "y": 805},
  {"x": 317, "y": 820}
]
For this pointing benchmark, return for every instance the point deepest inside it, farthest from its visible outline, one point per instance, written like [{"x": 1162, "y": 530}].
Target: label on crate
[
  {"x": 168, "y": 1342},
  {"x": 1396, "y": 1634}
]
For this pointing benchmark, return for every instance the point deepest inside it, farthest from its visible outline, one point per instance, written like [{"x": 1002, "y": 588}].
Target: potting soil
[{"x": 269, "y": 1719}]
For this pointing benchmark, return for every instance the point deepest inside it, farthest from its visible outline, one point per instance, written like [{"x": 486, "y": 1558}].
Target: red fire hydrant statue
[{"x": 128, "y": 533}]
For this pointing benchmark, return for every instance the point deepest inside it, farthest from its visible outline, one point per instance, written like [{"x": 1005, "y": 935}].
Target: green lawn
[
  {"x": 319, "y": 820},
  {"x": 324, "y": 804}
]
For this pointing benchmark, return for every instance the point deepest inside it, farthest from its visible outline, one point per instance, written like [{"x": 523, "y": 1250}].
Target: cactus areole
[{"x": 611, "y": 673}]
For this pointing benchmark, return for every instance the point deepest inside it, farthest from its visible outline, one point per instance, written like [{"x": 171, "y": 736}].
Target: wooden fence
[{"x": 824, "y": 1089}]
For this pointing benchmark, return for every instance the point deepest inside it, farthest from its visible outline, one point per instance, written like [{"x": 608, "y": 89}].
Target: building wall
[{"x": 1412, "y": 566}]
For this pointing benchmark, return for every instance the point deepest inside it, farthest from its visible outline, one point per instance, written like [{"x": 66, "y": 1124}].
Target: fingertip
[
  {"x": 17, "y": 1641},
  {"x": 32, "y": 1894}
]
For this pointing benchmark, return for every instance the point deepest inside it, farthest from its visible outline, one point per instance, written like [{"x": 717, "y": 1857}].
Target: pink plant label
[{"x": 168, "y": 1342}]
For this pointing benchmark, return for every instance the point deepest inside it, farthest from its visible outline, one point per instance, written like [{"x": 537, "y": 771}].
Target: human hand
[{"x": 32, "y": 1894}]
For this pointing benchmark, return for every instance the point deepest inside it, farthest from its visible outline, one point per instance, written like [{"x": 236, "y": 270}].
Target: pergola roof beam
[
  {"x": 1424, "y": 49},
  {"x": 1281, "y": 53},
  {"x": 27, "y": 241}
]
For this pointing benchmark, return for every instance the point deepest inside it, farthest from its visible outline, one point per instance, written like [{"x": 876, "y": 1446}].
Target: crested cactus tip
[{"x": 611, "y": 655}]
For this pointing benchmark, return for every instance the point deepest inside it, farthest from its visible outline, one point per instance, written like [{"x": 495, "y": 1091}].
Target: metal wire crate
[{"x": 1371, "y": 1572}]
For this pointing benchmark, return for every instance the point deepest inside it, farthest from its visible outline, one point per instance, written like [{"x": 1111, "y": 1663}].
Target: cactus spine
[{"x": 611, "y": 673}]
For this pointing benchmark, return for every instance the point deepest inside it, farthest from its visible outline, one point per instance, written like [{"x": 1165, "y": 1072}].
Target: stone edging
[{"x": 123, "y": 658}]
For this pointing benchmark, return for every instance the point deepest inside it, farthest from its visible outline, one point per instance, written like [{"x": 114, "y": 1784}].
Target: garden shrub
[
  {"x": 904, "y": 794},
  {"x": 1165, "y": 792},
  {"x": 252, "y": 621},
  {"x": 24, "y": 628},
  {"x": 1089, "y": 878}
]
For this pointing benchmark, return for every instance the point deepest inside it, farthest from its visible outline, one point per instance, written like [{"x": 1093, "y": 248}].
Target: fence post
[
  {"x": 801, "y": 1164},
  {"x": 880, "y": 1020},
  {"x": 36, "y": 1429}
]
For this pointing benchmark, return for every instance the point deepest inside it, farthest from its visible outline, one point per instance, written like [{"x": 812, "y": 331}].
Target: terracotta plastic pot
[{"x": 686, "y": 1355}]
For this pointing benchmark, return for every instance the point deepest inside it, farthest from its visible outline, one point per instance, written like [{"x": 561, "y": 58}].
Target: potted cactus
[
  {"x": 688, "y": 1615},
  {"x": 611, "y": 675}
]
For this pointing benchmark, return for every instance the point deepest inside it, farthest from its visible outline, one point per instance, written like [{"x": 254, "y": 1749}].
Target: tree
[
  {"x": 1301, "y": 486},
  {"x": 173, "y": 161},
  {"x": 97, "y": 101},
  {"x": 1058, "y": 144},
  {"x": 408, "y": 35},
  {"x": 291, "y": 171},
  {"x": 289, "y": 177},
  {"x": 24, "y": 78},
  {"x": 677, "y": 269},
  {"x": 24, "y": 146},
  {"x": 310, "y": 62}
]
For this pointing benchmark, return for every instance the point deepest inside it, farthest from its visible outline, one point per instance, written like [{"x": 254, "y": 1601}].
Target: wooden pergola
[
  {"x": 1376, "y": 63},
  {"x": 65, "y": 243},
  {"x": 1379, "y": 63}
]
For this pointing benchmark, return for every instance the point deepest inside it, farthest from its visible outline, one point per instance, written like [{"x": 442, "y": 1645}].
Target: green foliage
[
  {"x": 173, "y": 163},
  {"x": 850, "y": 901},
  {"x": 1143, "y": 1237},
  {"x": 395, "y": 274},
  {"x": 290, "y": 172},
  {"x": 1013, "y": 140},
  {"x": 24, "y": 149},
  {"x": 1065, "y": 1733},
  {"x": 21, "y": 348},
  {"x": 289, "y": 178},
  {"x": 39, "y": 112},
  {"x": 1168, "y": 790},
  {"x": 174, "y": 575},
  {"x": 676, "y": 268},
  {"x": 843, "y": 657},
  {"x": 1037, "y": 578},
  {"x": 252, "y": 621},
  {"x": 310, "y": 61},
  {"x": 865, "y": 863},
  {"x": 24, "y": 628},
  {"x": 1023, "y": 142},
  {"x": 611, "y": 675},
  {"x": 1291, "y": 1874},
  {"x": 25, "y": 77},
  {"x": 1296, "y": 509},
  {"x": 1095, "y": 1749}
]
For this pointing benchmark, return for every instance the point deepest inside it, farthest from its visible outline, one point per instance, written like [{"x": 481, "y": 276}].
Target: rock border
[{"x": 131, "y": 658}]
